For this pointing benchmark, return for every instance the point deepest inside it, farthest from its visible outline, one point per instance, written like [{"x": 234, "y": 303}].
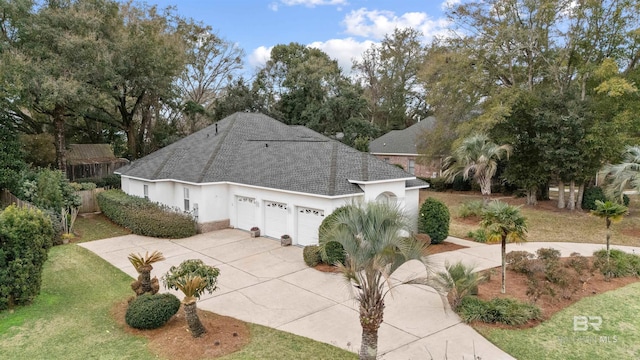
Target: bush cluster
[
  {"x": 621, "y": 264},
  {"x": 26, "y": 235},
  {"x": 590, "y": 196},
  {"x": 111, "y": 181},
  {"x": 331, "y": 252},
  {"x": 438, "y": 184},
  {"x": 433, "y": 220},
  {"x": 471, "y": 208},
  {"x": 143, "y": 217},
  {"x": 479, "y": 235},
  {"x": 83, "y": 186},
  {"x": 151, "y": 311},
  {"x": 497, "y": 310},
  {"x": 311, "y": 255}
]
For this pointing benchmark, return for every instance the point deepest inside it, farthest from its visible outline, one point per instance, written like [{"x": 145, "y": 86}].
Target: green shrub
[
  {"x": 520, "y": 261},
  {"x": 590, "y": 196},
  {"x": 497, "y": 310},
  {"x": 151, "y": 311},
  {"x": 479, "y": 235},
  {"x": 438, "y": 184},
  {"x": 460, "y": 281},
  {"x": 26, "y": 235},
  {"x": 143, "y": 217},
  {"x": 578, "y": 263},
  {"x": 471, "y": 208},
  {"x": 460, "y": 184},
  {"x": 311, "y": 255},
  {"x": 625, "y": 200},
  {"x": 111, "y": 181},
  {"x": 548, "y": 254},
  {"x": 621, "y": 264},
  {"x": 333, "y": 253},
  {"x": 434, "y": 220}
]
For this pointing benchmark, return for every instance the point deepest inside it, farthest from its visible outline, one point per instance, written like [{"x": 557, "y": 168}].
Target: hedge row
[{"x": 143, "y": 217}]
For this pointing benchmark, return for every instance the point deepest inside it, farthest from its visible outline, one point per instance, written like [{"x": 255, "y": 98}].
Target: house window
[
  {"x": 412, "y": 166},
  {"x": 145, "y": 189},
  {"x": 186, "y": 199}
]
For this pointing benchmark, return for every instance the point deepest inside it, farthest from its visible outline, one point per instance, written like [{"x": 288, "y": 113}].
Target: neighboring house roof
[
  {"x": 401, "y": 141},
  {"x": 81, "y": 154},
  {"x": 257, "y": 150}
]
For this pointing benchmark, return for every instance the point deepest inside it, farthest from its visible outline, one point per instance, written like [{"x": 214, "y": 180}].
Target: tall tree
[{"x": 389, "y": 74}]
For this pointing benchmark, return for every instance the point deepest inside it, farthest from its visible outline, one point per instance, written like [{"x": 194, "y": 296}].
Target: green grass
[
  {"x": 556, "y": 338},
  {"x": 97, "y": 227},
  {"x": 548, "y": 225},
  {"x": 70, "y": 319}
]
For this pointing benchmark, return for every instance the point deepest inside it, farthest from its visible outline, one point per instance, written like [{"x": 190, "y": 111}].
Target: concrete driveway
[{"x": 264, "y": 283}]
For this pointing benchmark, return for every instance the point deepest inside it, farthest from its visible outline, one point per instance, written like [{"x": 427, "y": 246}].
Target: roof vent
[{"x": 266, "y": 145}]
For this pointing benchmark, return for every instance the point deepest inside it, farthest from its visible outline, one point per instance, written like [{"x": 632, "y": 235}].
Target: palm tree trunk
[
  {"x": 145, "y": 279},
  {"x": 561, "y": 204},
  {"x": 485, "y": 189},
  {"x": 608, "y": 252},
  {"x": 195, "y": 326},
  {"x": 371, "y": 313},
  {"x": 504, "y": 264}
]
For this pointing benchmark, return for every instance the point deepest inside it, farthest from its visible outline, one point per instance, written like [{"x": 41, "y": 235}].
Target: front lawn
[
  {"x": 71, "y": 319},
  {"x": 547, "y": 223},
  {"x": 559, "y": 338}
]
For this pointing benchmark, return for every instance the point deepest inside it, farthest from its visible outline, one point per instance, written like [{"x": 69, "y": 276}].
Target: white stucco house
[{"x": 251, "y": 170}]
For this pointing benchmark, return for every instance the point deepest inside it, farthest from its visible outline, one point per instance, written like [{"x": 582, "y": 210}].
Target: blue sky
[{"x": 341, "y": 28}]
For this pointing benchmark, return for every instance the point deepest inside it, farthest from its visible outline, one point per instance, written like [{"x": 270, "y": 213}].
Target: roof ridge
[
  {"x": 214, "y": 154},
  {"x": 164, "y": 162},
  {"x": 331, "y": 188}
]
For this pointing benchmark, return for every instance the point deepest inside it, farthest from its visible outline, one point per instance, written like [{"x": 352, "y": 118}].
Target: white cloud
[
  {"x": 313, "y": 3},
  {"x": 343, "y": 50},
  {"x": 273, "y": 6},
  {"x": 449, "y": 3},
  {"x": 378, "y": 23},
  {"x": 259, "y": 56}
]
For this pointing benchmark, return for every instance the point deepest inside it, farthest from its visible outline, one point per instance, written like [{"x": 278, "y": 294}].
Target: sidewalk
[{"x": 264, "y": 283}]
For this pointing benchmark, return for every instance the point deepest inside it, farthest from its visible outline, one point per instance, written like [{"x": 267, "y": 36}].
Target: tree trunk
[
  {"x": 532, "y": 196},
  {"x": 61, "y": 151},
  {"x": 608, "y": 221},
  {"x": 195, "y": 326},
  {"x": 504, "y": 264},
  {"x": 572, "y": 195},
  {"x": 145, "y": 279},
  {"x": 561, "y": 203},
  {"x": 370, "y": 320},
  {"x": 485, "y": 189},
  {"x": 580, "y": 196}
]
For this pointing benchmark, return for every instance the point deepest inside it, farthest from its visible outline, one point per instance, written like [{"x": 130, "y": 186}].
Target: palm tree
[
  {"x": 142, "y": 264},
  {"x": 477, "y": 157},
  {"x": 193, "y": 278},
  {"x": 504, "y": 223},
  {"x": 371, "y": 235},
  {"x": 619, "y": 176},
  {"x": 611, "y": 212}
]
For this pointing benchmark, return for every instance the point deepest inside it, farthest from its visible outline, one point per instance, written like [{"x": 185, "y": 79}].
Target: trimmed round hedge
[
  {"x": 151, "y": 311},
  {"x": 332, "y": 252},
  {"x": 433, "y": 220},
  {"x": 311, "y": 255}
]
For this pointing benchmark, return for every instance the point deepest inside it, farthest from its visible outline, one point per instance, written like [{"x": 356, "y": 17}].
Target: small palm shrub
[
  {"x": 311, "y": 255},
  {"x": 460, "y": 281},
  {"x": 472, "y": 208},
  {"x": 434, "y": 220},
  {"x": 151, "y": 311},
  {"x": 480, "y": 235},
  {"x": 497, "y": 310}
]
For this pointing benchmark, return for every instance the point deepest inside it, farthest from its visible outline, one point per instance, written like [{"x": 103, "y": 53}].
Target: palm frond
[{"x": 138, "y": 261}]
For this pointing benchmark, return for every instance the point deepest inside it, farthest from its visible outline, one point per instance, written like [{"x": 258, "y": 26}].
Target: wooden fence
[
  {"x": 89, "y": 201},
  {"x": 7, "y": 198}
]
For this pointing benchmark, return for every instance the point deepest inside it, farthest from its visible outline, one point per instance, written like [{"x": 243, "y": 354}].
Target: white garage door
[
  {"x": 309, "y": 221},
  {"x": 275, "y": 219},
  {"x": 246, "y": 212}
]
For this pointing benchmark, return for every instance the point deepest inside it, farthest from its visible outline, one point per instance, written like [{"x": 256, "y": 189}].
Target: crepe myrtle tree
[
  {"x": 375, "y": 241},
  {"x": 192, "y": 277}
]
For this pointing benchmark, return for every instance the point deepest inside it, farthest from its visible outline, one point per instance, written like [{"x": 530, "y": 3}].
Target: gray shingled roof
[
  {"x": 255, "y": 149},
  {"x": 401, "y": 141}
]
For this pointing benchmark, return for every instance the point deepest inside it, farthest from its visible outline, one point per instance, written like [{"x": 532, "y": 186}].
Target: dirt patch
[
  {"x": 327, "y": 268},
  {"x": 224, "y": 335},
  {"x": 444, "y": 247},
  {"x": 516, "y": 286}
]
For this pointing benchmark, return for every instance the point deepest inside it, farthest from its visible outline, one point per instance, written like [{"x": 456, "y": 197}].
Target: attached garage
[
  {"x": 308, "y": 222},
  {"x": 275, "y": 219},
  {"x": 245, "y": 212}
]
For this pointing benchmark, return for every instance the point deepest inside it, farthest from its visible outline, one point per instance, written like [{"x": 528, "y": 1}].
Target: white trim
[
  {"x": 418, "y": 187},
  {"x": 360, "y": 182},
  {"x": 395, "y": 154},
  {"x": 249, "y": 186}
]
